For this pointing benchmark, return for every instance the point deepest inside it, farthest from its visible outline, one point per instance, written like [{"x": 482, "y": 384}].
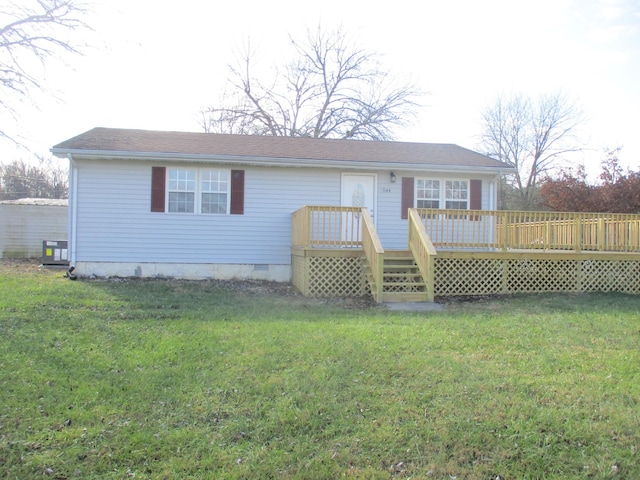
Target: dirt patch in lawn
[
  {"x": 240, "y": 287},
  {"x": 19, "y": 266},
  {"x": 10, "y": 266}
]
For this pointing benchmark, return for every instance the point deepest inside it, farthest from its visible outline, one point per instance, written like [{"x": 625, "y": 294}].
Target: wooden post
[
  {"x": 505, "y": 275},
  {"x": 306, "y": 261},
  {"x": 579, "y": 264},
  {"x": 307, "y": 227},
  {"x": 547, "y": 235},
  {"x": 431, "y": 279},
  {"x": 579, "y": 221},
  {"x": 379, "y": 277},
  {"x": 502, "y": 216},
  {"x": 601, "y": 234}
]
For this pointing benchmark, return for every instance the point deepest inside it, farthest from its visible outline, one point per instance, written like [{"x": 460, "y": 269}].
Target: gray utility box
[{"x": 55, "y": 252}]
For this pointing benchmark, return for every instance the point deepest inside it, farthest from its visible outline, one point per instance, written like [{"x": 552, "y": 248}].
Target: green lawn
[{"x": 168, "y": 379}]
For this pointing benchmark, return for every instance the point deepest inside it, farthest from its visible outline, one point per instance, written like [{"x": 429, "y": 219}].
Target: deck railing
[
  {"x": 340, "y": 227},
  {"x": 373, "y": 250},
  {"x": 514, "y": 230},
  {"x": 327, "y": 227},
  {"x": 523, "y": 251},
  {"x": 423, "y": 251}
]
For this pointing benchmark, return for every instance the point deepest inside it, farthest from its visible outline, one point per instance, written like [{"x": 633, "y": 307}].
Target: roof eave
[{"x": 273, "y": 161}]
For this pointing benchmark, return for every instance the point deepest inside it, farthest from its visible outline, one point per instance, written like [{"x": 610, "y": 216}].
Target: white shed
[{"x": 25, "y": 223}]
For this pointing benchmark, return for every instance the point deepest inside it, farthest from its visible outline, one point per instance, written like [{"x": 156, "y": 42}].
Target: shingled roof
[{"x": 147, "y": 144}]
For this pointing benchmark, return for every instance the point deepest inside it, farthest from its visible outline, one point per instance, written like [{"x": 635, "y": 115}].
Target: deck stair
[{"x": 402, "y": 280}]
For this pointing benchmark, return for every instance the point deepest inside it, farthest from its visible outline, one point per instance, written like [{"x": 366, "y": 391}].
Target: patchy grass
[{"x": 172, "y": 379}]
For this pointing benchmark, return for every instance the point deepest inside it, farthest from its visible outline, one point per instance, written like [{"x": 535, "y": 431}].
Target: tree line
[
  {"x": 617, "y": 191},
  {"x": 22, "y": 180}
]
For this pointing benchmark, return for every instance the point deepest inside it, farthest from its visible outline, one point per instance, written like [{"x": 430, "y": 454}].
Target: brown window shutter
[
  {"x": 407, "y": 196},
  {"x": 475, "y": 194},
  {"x": 237, "y": 192},
  {"x": 158, "y": 179}
]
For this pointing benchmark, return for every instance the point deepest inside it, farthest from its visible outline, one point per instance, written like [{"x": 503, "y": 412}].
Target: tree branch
[
  {"x": 36, "y": 31},
  {"x": 531, "y": 136},
  {"x": 330, "y": 89}
]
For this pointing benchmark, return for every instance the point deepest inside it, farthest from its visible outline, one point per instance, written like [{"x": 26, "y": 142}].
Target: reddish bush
[{"x": 618, "y": 192}]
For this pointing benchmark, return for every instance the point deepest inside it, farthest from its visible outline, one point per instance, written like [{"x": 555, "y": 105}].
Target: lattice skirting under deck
[
  {"x": 504, "y": 275},
  {"x": 332, "y": 273},
  {"x": 340, "y": 273}
]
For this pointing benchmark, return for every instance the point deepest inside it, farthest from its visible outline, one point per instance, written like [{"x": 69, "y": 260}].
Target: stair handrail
[
  {"x": 423, "y": 251},
  {"x": 373, "y": 250},
  {"x": 300, "y": 231}
]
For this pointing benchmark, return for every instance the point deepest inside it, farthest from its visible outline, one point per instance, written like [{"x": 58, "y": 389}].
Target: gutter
[{"x": 275, "y": 161}]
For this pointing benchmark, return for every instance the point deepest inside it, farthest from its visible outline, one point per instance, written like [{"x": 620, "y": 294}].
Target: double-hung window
[
  {"x": 440, "y": 193},
  {"x": 197, "y": 191},
  {"x": 456, "y": 194},
  {"x": 181, "y": 189},
  {"x": 428, "y": 192},
  {"x": 436, "y": 193},
  {"x": 214, "y": 191}
]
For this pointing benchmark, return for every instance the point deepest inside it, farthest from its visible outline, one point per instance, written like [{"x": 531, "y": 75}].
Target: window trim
[
  {"x": 442, "y": 194},
  {"x": 227, "y": 192},
  {"x": 178, "y": 190},
  {"x": 466, "y": 200},
  {"x": 408, "y": 197},
  {"x": 197, "y": 208},
  {"x": 438, "y": 199}
]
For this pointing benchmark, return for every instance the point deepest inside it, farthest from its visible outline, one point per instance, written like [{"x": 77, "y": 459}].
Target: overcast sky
[{"x": 153, "y": 64}]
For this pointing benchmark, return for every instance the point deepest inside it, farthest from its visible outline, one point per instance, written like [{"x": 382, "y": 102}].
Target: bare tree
[
  {"x": 330, "y": 89},
  {"x": 532, "y": 136},
  {"x": 33, "y": 32}
]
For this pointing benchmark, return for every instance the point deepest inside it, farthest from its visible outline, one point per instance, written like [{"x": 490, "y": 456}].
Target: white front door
[{"x": 359, "y": 190}]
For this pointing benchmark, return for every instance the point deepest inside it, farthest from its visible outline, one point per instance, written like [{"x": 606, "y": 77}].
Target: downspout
[
  {"x": 493, "y": 204},
  {"x": 73, "y": 210},
  {"x": 493, "y": 197}
]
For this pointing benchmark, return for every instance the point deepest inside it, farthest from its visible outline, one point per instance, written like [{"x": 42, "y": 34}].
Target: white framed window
[
  {"x": 441, "y": 193},
  {"x": 181, "y": 191},
  {"x": 214, "y": 191},
  {"x": 456, "y": 194},
  {"x": 203, "y": 191},
  {"x": 428, "y": 193}
]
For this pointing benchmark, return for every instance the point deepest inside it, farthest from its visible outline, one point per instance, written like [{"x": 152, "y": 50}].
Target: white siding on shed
[{"x": 24, "y": 227}]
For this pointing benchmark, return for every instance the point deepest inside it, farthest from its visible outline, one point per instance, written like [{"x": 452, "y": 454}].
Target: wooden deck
[{"x": 336, "y": 252}]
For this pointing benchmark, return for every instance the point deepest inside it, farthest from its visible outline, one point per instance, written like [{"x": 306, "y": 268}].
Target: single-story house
[{"x": 202, "y": 205}]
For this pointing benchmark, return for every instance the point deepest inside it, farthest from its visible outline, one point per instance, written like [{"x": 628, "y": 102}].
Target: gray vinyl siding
[
  {"x": 115, "y": 223},
  {"x": 391, "y": 228}
]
